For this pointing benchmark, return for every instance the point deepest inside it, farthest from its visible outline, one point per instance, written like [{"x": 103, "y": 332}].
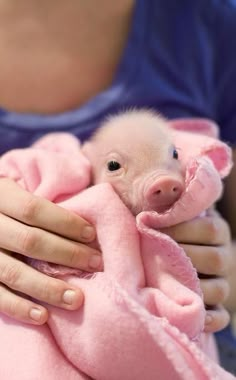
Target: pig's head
[{"x": 134, "y": 152}]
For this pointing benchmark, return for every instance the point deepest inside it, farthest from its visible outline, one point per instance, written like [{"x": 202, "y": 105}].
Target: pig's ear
[
  {"x": 58, "y": 142},
  {"x": 192, "y": 145},
  {"x": 203, "y": 126},
  {"x": 221, "y": 156}
]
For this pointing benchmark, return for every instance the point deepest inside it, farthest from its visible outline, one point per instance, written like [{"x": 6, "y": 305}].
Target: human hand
[
  {"x": 34, "y": 227},
  {"x": 206, "y": 240}
]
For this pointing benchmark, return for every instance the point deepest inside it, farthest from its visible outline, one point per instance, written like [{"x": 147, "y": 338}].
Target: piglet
[{"x": 134, "y": 152}]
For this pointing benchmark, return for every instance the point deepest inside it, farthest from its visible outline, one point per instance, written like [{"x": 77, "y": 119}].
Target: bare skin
[
  {"x": 56, "y": 51},
  {"x": 44, "y": 47}
]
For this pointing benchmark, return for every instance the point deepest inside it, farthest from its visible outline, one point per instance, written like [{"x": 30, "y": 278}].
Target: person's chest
[{"x": 59, "y": 59}]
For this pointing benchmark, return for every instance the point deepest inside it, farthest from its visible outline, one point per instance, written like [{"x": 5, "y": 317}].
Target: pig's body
[{"x": 135, "y": 153}]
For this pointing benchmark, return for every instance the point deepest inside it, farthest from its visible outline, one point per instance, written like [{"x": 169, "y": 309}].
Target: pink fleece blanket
[{"x": 143, "y": 317}]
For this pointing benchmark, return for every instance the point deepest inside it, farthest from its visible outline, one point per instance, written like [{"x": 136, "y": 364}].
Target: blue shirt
[{"x": 180, "y": 59}]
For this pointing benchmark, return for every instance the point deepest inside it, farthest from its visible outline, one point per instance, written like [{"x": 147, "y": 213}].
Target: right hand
[
  {"x": 207, "y": 242},
  {"x": 34, "y": 227}
]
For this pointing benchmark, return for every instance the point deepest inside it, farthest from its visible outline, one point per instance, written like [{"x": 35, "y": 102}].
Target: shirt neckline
[{"x": 125, "y": 74}]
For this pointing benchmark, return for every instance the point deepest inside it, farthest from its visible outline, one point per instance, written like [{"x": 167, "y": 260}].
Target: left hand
[{"x": 207, "y": 242}]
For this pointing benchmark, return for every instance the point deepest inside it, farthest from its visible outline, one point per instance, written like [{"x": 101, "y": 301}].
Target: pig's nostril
[
  {"x": 173, "y": 189},
  {"x": 165, "y": 191}
]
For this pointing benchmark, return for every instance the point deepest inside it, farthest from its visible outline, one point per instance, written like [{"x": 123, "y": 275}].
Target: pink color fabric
[{"x": 143, "y": 317}]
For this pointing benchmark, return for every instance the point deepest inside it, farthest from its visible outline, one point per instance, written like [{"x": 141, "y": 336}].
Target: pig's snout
[{"x": 163, "y": 193}]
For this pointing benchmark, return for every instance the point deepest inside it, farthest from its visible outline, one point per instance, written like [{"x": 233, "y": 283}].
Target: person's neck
[{"x": 57, "y": 54}]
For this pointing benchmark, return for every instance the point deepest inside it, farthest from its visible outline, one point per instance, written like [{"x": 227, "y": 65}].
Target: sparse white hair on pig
[{"x": 134, "y": 152}]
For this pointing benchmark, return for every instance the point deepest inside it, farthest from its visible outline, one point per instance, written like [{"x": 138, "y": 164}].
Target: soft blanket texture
[{"x": 143, "y": 317}]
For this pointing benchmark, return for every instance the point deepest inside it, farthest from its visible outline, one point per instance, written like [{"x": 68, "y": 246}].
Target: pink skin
[
  {"x": 163, "y": 193},
  {"x": 133, "y": 151}
]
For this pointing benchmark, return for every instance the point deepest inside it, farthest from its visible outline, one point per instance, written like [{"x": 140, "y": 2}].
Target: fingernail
[
  {"x": 88, "y": 232},
  {"x": 208, "y": 319},
  {"x": 95, "y": 261},
  {"x": 69, "y": 297},
  {"x": 35, "y": 314}
]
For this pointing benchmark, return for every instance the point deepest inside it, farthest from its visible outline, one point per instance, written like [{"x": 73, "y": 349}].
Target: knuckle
[
  {"x": 10, "y": 275},
  {"x": 227, "y": 231},
  {"x": 51, "y": 291},
  {"x": 46, "y": 291},
  {"x": 69, "y": 217},
  {"x": 222, "y": 291},
  {"x": 217, "y": 261},
  {"x": 14, "y": 308},
  {"x": 211, "y": 230},
  {"x": 28, "y": 240},
  {"x": 30, "y": 209},
  {"x": 66, "y": 222},
  {"x": 74, "y": 256}
]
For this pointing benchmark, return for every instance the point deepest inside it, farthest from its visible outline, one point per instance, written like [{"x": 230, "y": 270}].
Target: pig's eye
[
  {"x": 113, "y": 165},
  {"x": 175, "y": 154}
]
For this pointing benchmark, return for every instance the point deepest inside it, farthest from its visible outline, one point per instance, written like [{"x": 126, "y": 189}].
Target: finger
[
  {"x": 39, "y": 212},
  {"x": 21, "y": 309},
  {"x": 215, "y": 291},
  {"x": 209, "y": 230},
  {"x": 43, "y": 245},
  {"x": 209, "y": 260},
  {"x": 216, "y": 319},
  {"x": 18, "y": 276}
]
